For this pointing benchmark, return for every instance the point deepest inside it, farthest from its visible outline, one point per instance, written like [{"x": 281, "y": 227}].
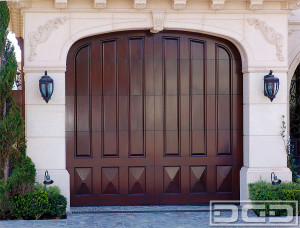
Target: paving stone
[{"x": 126, "y": 219}]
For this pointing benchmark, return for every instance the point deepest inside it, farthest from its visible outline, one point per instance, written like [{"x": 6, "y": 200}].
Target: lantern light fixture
[
  {"x": 46, "y": 87},
  {"x": 274, "y": 179},
  {"x": 271, "y": 86},
  {"x": 47, "y": 179}
]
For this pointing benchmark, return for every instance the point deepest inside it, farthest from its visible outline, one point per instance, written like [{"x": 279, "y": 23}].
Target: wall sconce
[
  {"x": 271, "y": 86},
  {"x": 46, "y": 87},
  {"x": 47, "y": 179},
  {"x": 274, "y": 179}
]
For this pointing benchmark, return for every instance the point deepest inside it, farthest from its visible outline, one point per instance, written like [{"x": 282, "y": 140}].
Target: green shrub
[
  {"x": 57, "y": 202},
  {"x": 22, "y": 178},
  {"x": 32, "y": 205},
  {"x": 6, "y": 201},
  {"x": 50, "y": 189},
  {"x": 266, "y": 191},
  {"x": 58, "y": 205}
]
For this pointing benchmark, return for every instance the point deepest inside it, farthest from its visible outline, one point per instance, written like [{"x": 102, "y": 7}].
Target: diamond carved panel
[
  {"x": 137, "y": 180},
  {"x": 198, "y": 179},
  {"x": 224, "y": 178},
  {"x": 110, "y": 180},
  {"x": 83, "y": 181},
  {"x": 172, "y": 183}
]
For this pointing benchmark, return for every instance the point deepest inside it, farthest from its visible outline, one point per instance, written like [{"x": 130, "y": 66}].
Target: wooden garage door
[{"x": 153, "y": 119}]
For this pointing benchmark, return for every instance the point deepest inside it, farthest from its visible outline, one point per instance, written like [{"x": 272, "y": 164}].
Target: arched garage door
[{"x": 153, "y": 119}]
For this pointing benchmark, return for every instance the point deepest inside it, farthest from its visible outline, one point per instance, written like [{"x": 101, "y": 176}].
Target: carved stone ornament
[
  {"x": 255, "y": 4},
  {"x": 269, "y": 33},
  {"x": 179, "y": 4},
  {"x": 292, "y": 5},
  {"x": 42, "y": 34},
  {"x": 99, "y": 4},
  {"x": 217, "y": 4},
  {"x": 158, "y": 21},
  {"x": 61, "y": 4},
  {"x": 139, "y": 4}
]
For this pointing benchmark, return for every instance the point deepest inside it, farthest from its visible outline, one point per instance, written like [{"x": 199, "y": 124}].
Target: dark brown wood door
[{"x": 153, "y": 119}]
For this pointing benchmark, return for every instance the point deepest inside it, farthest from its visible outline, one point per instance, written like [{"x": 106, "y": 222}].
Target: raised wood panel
[
  {"x": 83, "y": 114},
  {"x": 137, "y": 99},
  {"x": 171, "y": 82}
]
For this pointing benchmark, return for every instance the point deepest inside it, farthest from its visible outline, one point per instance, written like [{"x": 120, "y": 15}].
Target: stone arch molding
[
  {"x": 155, "y": 22},
  {"x": 242, "y": 45}
]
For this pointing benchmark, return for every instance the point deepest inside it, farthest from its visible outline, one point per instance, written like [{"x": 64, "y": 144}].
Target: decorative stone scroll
[
  {"x": 42, "y": 34},
  {"x": 255, "y": 4},
  {"x": 179, "y": 4},
  {"x": 139, "y": 4},
  {"x": 61, "y": 4},
  {"x": 99, "y": 4},
  {"x": 217, "y": 4},
  {"x": 158, "y": 21},
  {"x": 269, "y": 33},
  {"x": 292, "y": 5}
]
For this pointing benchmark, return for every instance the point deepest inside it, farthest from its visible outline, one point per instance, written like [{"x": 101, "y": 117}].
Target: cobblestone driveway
[{"x": 132, "y": 216}]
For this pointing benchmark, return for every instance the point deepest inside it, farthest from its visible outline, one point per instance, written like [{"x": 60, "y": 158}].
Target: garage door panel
[
  {"x": 124, "y": 110},
  {"x": 123, "y": 77},
  {"x": 96, "y": 144},
  {"x": 198, "y": 142},
  {"x": 224, "y": 142},
  {"x": 197, "y": 64},
  {"x": 83, "y": 181},
  {"x": 224, "y": 179},
  {"x": 149, "y": 113},
  {"x": 123, "y": 146},
  {"x": 198, "y": 179},
  {"x": 137, "y": 180},
  {"x": 237, "y": 114},
  {"x": 82, "y": 71},
  {"x": 95, "y": 68},
  {"x": 211, "y": 111},
  {"x": 158, "y": 119},
  {"x": 211, "y": 144},
  {"x": 96, "y": 118},
  {"x": 83, "y": 139}
]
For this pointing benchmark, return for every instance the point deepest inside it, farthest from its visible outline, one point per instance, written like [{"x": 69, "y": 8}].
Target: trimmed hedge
[
  {"x": 40, "y": 204},
  {"x": 32, "y": 205},
  {"x": 262, "y": 190}
]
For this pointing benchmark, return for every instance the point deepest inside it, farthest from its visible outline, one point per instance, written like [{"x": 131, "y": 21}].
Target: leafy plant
[
  {"x": 58, "y": 205},
  {"x": 291, "y": 162},
  {"x": 32, "y": 205},
  {"x": 262, "y": 190}
]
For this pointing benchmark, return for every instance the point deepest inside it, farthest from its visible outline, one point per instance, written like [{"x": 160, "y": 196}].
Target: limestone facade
[{"x": 265, "y": 32}]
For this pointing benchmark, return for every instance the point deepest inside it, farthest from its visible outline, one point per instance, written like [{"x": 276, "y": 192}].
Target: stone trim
[
  {"x": 139, "y": 4},
  {"x": 61, "y": 4},
  {"x": 179, "y": 4},
  {"x": 99, "y": 4},
  {"x": 217, "y": 4},
  {"x": 255, "y": 4},
  {"x": 158, "y": 21}
]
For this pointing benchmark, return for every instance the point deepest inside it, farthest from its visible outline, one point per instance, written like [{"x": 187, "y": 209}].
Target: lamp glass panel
[
  {"x": 50, "y": 89},
  {"x": 43, "y": 89},
  {"x": 270, "y": 87}
]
